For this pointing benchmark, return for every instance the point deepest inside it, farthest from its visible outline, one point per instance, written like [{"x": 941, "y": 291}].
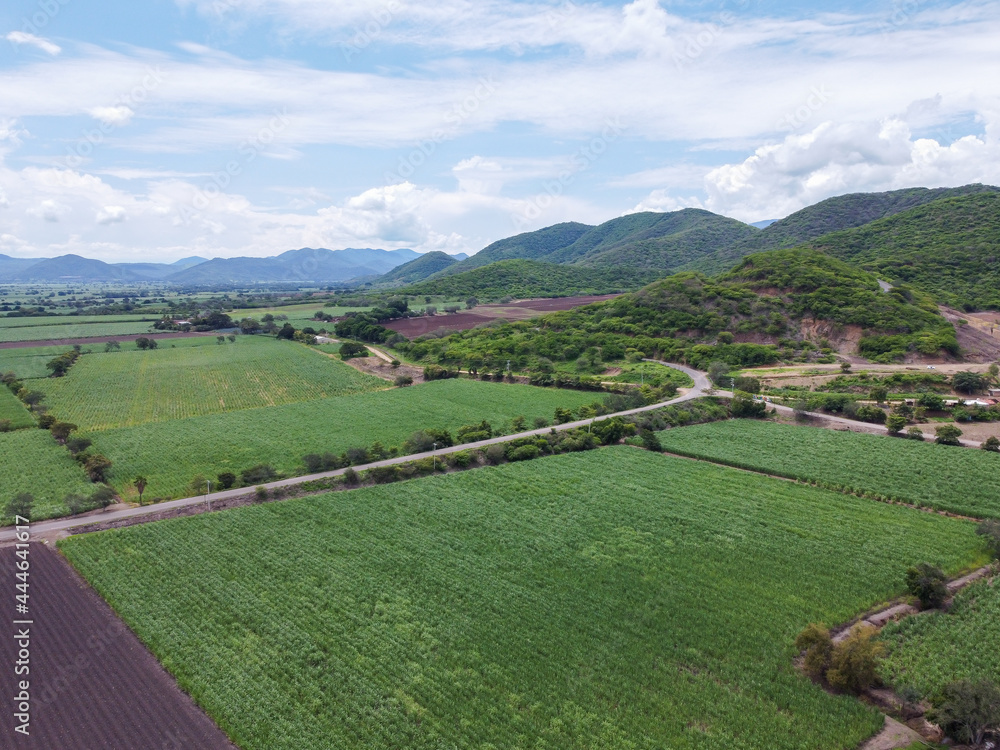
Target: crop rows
[
  {"x": 12, "y": 410},
  {"x": 957, "y": 480},
  {"x": 32, "y": 461},
  {"x": 72, "y": 331},
  {"x": 929, "y": 651},
  {"x": 56, "y": 320},
  {"x": 171, "y": 454},
  {"x": 128, "y": 388},
  {"x": 522, "y": 606}
]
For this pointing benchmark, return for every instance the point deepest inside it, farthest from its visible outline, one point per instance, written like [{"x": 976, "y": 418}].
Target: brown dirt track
[
  {"x": 94, "y": 686},
  {"x": 463, "y": 321}
]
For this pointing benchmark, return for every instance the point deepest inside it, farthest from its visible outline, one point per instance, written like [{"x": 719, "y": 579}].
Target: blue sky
[{"x": 167, "y": 128}]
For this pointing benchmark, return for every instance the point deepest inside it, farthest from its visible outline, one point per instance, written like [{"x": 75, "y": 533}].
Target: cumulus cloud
[
  {"x": 833, "y": 159},
  {"x": 111, "y": 215},
  {"x": 117, "y": 116},
  {"x": 22, "y": 37},
  {"x": 49, "y": 210}
]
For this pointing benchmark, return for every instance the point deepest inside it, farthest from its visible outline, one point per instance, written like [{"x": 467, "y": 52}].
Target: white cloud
[
  {"x": 111, "y": 215},
  {"x": 833, "y": 159},
  {"x": 22, "y": 37},
  {"x": 117, "y": 116},
  {"x": 49, "y": 210}
]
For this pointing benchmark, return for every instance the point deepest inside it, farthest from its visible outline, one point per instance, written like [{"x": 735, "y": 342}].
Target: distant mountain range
[{"x": 307, "y": 265}]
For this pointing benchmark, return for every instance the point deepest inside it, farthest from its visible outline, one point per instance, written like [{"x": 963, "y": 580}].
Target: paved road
[{"x": 701, "y": 384}]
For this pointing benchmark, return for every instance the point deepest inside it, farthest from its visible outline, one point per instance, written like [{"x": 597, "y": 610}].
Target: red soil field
[
  {"x": 463, "y": 321},
  {"x": 94, "y": 686}
]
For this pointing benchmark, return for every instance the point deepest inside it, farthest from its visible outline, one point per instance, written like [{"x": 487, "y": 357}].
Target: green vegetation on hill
[
  {"x": 528, "y": 245},
  {"x": 417, "y": 269},
  {"x": 528, "y": 278},
  {"x": 832, "y": 215},
  {"x": 516, "y": 607},
  {"x": 934, "y": 476},
  {"x": 949, "y": 248},
  {"x": 679, "y": 318}
]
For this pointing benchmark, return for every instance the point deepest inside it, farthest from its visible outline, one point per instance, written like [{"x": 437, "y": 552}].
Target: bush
[
  {"x": 78, "y": 445},
  {"x": 991, "y": 530},
  {"x": 816, "y": 642},
  {"x": 351, "y": 478},
  {"x": 522, "y": 453},
  {"x": 436, "y": 372},
  {"x": 968, "y": 710},
  {"x": 75, "y": 502},
  {"x": 895, "y": 423},
  {"x": 384, "y": 474},
  {"x": 948, "y": 434},
  {"x": 650, "y": 441},
  {"x": 257, "y": 474},
  {"x": 102, "y": 497},
  {"x": 854, "y": 661},
  {"x": 260, "y": 494},
  {"x": 496, "y": 454},
  {"x": 20, "y": 505},
  {"x": 991, "y": 444},
  {"x": 927, "y": 583},
  {"x": 461, "y": 459},
  {"x": 540, "y": 423},
  {"x": 870, "y": 414},
  {"x": 914, "y": 433},
  {"x": 313, "y": 463},
  {"x": 350, "y": 349},
  {"x": 403, "y": 380},
  {"x": 6, "y": 425},
  {"x": 743, "y": 406},
  {"x": 226, "y": 480}
]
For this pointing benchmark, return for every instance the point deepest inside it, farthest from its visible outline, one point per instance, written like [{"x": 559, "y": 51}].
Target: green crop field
[
  {"x": 30, "y": 362},
  {"x": 61, "y": 320},
  {"x": 32, "y": 461},
  {"x": 128, "y": 388},
  {"x": 613, "y": 599},
  {"x": 954, "y": 479},
  {"x": 13, "y": 410},
  {"x": 930, "y": 650},
  {"x": 73, "y": 331},
  {"x": 172, "y": 453}
]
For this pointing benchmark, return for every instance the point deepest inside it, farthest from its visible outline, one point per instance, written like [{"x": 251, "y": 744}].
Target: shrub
[
  {"x": 895, "y": 423},
  {"x": 461, "y": 459},
  {"x": 351, "y": 478},
  {"x": 403, "y": 380},
  {"x": 948, "y": 434},
  {"x": 649, "y": 441},
  {"x": 257, "y": 474},
  {"x": 102, "y": 497},
  {"x": 75, "y": 502},
  {"x": 991, "y": 444},
  {"x": 496, "y": 454},
  {"x": 854, "y": 661},
  {"x": 927, "y": 583},
  {"x": 563, "y": 416},
  {"x": 260, "y": 494},
  {"x": 313, "y": 463},
  {"x": 96, "y": 467},
  {"x": 522, "y": 453},
  {"x": 436, "y": 372},
  {"x": 384, "y": 474},
  {"x": 357, "y": 455},
  {"x": 991, "y": 530},
  {"x": 871, "y": 414},
  {"x": 914, "y": 433},
  {"x": 816, "y": 642},
  {"x": 226, "y": 480},
  {"x": 20, "y": 505},
  {"x": 350, "y": 349},
  {"x": 6, "y": 425},
  {"x": 968, "y": 710},
  {"x": 78, "y": 445},
  {"x": 540, "y": 422},
  {"x": 743, "y": 406}
]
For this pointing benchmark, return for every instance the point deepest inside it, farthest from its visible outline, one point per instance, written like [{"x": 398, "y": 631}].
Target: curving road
[{"x": 701, "y": 385}]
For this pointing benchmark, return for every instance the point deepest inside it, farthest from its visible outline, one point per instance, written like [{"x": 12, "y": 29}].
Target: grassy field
[
  {"x": 930, "y": 650},
  {"x": 12, "y": 409},
  {"x": 613, "y": 599},
  {"x": 172, "y": 453},
  {"x": 73, "y": 331},
  {"x": 128, "y": 388},
  {"x": 957, "y": 480},
  {"x": 32, "y": 461},
  {"x": 59, "y": 320}
]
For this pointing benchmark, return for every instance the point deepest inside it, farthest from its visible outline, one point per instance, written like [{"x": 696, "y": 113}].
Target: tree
[
  {"x": 928, "y": 583},
  {"x": 20, "y": 505},
  {"x": 471, "y": 302},
  {"x": 257, "y": 474},
  {"x": 968, "y": 382},
  {"x": 226, "y": 480},
  {"x": 32, "y": 398},
  {"x": 854, "y": 661},
  {"x": 232, "y": 338},
  {"x": 140, "y": 483},
  {"x": 78, "y": 445},
  {"x": 994, "y": 372},
  {"x": 914, "y": 433},
  {"x": 96, "y": 467},
  {"x": 968, "y": 710},
  {"x": 931, "y": 401},
  {"x": 249, "y": 326},
  {"x": 144, "y": 342},
  {"x": 879, "y": 394},
  {"x": 403, "y": 380},
  {"x": 74, "y": 502},
  {"x": 895, "y": 423},
  {"x": 351, "y": 349},
  {"x": 744, "y": 406},
  {"x": 845, "y": 367},
  {"x": 61, "y": 430},
  {"x": 718, "y": 372},
  {"x": 220, "y": 339},
  {"x": 815, "y": 640},
  {"x": 992, "y": 444},
  {"x": 948, "y": 434},
  {"x": 287, "y": 332},
  {"x": 650, "y": 441},
  {"x": 102, "y": 497},
  {"x": 112, "y": 346}
]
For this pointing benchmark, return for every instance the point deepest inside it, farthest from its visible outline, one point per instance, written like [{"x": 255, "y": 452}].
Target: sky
[{"x": 156, "y": 130}]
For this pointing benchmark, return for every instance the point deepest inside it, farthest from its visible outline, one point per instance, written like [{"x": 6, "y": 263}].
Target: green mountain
[
  {"x": 417, "y": 269},
  {"x": 949, "y": 248},
  {"x": 785, "y": 304},
  {"x": 529, "y": 278},
  {"x": 832, "y": 215},
  {"x": 529, "y": 245}
]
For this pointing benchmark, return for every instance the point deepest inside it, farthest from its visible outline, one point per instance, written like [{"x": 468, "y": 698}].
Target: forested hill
[
  {"x": 529, "y": 278},
  {"x": 528, "y": 246},
  {"x": 767, "y": 309},
  {"x": 832, "y": 215},
  {"x": 418, "y": 268},
  {"x": 949, "y": 248}
]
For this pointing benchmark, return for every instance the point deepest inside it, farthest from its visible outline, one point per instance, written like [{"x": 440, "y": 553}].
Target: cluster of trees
[{"x": 60, "y": 365}]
